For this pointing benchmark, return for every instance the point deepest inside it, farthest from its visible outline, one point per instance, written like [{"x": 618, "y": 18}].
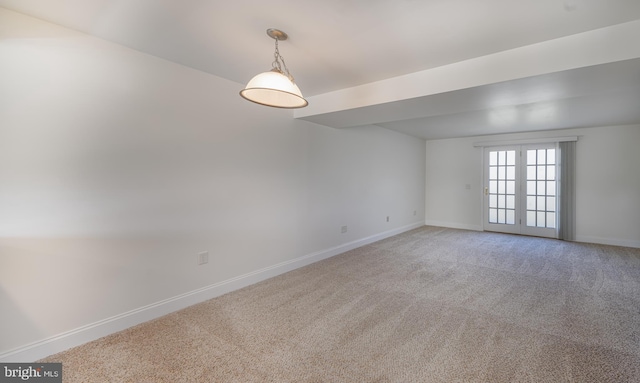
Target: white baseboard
[
  {"x": 453, "y": 225},
  {"x": 608, "y": 241},
  {"x": 579, "y": 238},
  {"x": 52, "y": 345}
]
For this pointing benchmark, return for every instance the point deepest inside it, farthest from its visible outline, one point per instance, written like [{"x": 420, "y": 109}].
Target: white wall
[
  {"x": 118, "y": 168},
  {"x": 607, "y": 182},
  {"x": 608, "y": 186}
]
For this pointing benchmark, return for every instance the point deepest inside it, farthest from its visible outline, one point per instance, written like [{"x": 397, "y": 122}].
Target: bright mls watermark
[{"x": 31, "y": 372}]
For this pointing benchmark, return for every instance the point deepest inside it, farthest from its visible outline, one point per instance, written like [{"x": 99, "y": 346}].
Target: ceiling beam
[{"x": 383, "y": 101}]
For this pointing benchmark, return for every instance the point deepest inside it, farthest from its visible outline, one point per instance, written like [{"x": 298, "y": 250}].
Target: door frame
[
  {"x": 533, "y": 230},
  {"x": 519, "y": 227}
]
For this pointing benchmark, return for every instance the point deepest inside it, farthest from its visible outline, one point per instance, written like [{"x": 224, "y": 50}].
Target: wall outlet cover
[{"x": 203, "y": 258}]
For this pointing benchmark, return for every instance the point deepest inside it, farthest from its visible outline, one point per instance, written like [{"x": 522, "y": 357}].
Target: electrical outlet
[
  {"x": 343, "y": 229},
  {"x": 203, "y": 258},
  {"x": 387, "y": 218}
]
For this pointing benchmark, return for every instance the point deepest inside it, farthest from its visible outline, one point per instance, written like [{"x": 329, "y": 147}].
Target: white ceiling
[{"x": 338, "y": 44}]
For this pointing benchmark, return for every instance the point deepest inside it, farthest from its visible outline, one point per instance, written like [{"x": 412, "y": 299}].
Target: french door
[{"x": 521, "y": 189}]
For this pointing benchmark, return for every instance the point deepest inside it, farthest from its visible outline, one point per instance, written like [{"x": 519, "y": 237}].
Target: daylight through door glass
[
  {"x": 502, "y": 187},
  {"x": 541, "y": 188}
]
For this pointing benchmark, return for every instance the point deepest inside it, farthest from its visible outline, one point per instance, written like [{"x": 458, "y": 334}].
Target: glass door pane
[
  {"x": 540, "y": 171},
  {"x": 501, "y": 189},
  {"x": 502, "y": 179}
]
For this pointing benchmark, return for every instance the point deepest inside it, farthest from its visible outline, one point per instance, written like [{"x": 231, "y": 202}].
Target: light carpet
[{"x": 429, "y": 305}]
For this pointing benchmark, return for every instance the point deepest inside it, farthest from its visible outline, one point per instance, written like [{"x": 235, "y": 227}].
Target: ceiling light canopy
[{"x": 276, "y": 87}]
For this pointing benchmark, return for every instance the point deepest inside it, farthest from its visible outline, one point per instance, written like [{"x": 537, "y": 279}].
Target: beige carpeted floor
[{"x": 429, "y": 305}]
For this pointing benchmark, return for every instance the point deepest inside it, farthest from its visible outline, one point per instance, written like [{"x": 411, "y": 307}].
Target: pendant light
[{"x": 276, "y": 87}]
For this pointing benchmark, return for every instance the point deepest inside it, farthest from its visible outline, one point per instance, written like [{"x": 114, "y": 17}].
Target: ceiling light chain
[{"x": 276, "y": 64}]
